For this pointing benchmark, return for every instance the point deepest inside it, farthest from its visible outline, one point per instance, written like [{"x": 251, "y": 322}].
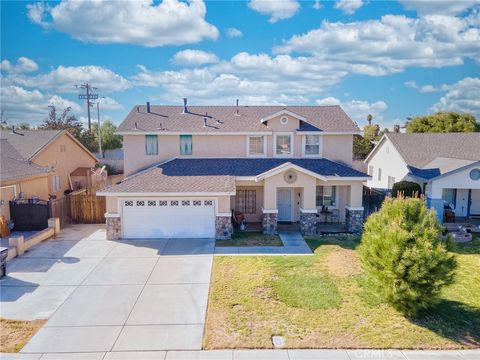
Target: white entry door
[
  {"x": 284, "y": 204},
  {"x": 475, "y": 203},
  {"x": 165, "y": 218}
]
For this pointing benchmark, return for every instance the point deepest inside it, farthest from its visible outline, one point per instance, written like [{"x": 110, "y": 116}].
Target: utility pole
[
  {"x": 87, "y": 96},
  {"x": 99, "y": 131}
]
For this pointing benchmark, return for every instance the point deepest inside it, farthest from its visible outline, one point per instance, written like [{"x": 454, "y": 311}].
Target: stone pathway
[
  {"x": 293, "y": 244},
  {"x": 324, "y": 354}
]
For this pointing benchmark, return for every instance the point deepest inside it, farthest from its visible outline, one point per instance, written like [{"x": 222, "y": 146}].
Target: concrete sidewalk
[{"x": 325, "y": 354}]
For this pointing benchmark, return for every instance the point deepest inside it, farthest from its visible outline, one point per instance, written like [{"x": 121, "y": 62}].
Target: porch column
[
  {"x": 114, "y": 226},
  {"x": 354, "y": 209},
  {"x": 435, "y": 201},
  {"x": 308, "y": 221},
  {"x": 269, "y": 221}
]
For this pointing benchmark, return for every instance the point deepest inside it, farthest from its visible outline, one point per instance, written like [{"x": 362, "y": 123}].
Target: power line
[{"x": 87, "y": 96}]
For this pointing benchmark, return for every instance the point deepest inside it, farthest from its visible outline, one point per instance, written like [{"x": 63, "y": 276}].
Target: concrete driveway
[{"x": 101, "y": 295}]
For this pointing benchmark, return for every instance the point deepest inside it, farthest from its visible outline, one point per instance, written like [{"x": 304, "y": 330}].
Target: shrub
[
  {"x": 402, "y": 257},
  {"x": 108, "y": 168},
  {"x": 406, "y": 188}
]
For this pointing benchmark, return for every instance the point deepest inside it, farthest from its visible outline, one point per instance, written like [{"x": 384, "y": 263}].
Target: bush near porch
[{"x": 323, "y": 301}]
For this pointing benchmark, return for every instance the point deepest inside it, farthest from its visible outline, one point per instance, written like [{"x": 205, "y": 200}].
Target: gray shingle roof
[
  {"x": 216, "y": 175},
  {"x": 31, "y": 142},
  {"x": 421, "y": 148},
  {"x": 13, "y": 166},
  {"x": 171, "y": 118}
]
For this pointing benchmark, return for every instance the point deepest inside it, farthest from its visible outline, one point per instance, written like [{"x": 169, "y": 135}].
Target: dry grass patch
[
  {"x": 321, "y": 301},
  {"x": 15, "y": 334},
  {"x": 250, "y": 238}
]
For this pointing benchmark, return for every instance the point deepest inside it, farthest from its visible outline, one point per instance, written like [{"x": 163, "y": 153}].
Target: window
[
  {"x": 245, "y": 201},
  {"x": 185, "y": 202},
  {"x": 174, "y": 203},
  {"x": 197, "y": 203},
  {"x": 326, "y": 196},
  {"x": 391, "y": 181},
  {"x": 370, "y": 170},
  {"x": 379, "y": 174},
  {"x": 151, "y": 203},
  {"x": 256, "y": 145},
  {"x": 140, "y": 203},
  {"x": 151, "y": 144},
  {"x": 283, "y": 145},
  {"x": 185, "y": 144},
  {"x": 312, "y": 145},
  {"x": 128, "y": 203},
  {"x": 448, "y": 196},
  {"x": 208, "y": 202},
  {"x": 56, "y": 186},
  {"x": 162, "y": 203}
]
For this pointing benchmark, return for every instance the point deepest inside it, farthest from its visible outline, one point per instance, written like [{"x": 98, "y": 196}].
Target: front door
[{"x": 284, "y": 204}]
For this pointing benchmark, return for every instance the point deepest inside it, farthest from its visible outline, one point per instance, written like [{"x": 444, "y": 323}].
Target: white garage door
[{"x": 160, "y": 218}]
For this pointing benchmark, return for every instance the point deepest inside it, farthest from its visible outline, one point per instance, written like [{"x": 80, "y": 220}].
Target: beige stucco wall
[
  {"x": 338, "y": 148},
  {"x": 36, "y": 187},
  {"x": 307, "y": 182},
  {"x": 65, "y": 162}
]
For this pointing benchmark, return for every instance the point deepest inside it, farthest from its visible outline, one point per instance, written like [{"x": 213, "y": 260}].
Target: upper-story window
[
  {"x": 185, "y": 144},
  {"x": 370, "y": 170},
  {"x": 256, "y": 145},
  {"x": 151, "y": 144},
  {"x": 312, "y": 145},
  {"x": 283, "y": 145}
]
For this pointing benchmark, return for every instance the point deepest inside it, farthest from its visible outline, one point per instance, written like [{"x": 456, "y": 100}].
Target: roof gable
[{"x": 283, "y": 112}]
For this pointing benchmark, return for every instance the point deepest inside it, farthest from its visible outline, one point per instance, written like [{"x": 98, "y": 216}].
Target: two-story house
[{"x": 187, "y": 168}]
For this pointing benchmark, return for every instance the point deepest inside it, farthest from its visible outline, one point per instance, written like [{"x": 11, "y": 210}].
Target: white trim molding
[
  {"x": 284, "y": 112},
  {"x": 320, "y": 146},
  {"x": 292, "y": 144},
  {"x": 264, "y": 154},
  {"x": 353, "y": 208},
  {"x": 111, "y": 215},
  {"x": 165, "y": 194},
  {"x": 269, "y": 211},
  {"x": 166, "y": 132},
  {"x": 308, "y": 211},
  {"x": 287, "y": 166}
]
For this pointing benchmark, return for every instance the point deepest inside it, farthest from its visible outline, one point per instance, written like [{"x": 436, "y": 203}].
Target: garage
[{"x": 168, "y": 218}]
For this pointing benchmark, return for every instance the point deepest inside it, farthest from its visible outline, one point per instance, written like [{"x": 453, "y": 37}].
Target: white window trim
[
  {"x": 292, "y": 147},
  {"x": 54, "y": 183},
  {"x": 264, "y": 146},
  {"x": 337, "y": 191},
  {"x": 320, "y": 146}
]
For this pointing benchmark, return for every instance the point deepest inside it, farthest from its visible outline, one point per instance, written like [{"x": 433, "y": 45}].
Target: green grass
[
  {"x": 322, "y": 301},
  {"x": 247, "y": 238}
]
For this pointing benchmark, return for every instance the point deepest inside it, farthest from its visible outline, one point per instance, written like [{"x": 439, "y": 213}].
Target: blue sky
[{"x": 391, "y": 59}]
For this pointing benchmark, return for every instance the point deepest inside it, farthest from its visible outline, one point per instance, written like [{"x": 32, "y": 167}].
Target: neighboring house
[
  {"x": 446, "y": 165},
  {"x": 19, "y": 176},
  {"x": 58, "y": 152},
  {"x": 187, "y": 168}
]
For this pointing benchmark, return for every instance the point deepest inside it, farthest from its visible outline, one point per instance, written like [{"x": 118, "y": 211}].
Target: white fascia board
[
  {"x": 284, "y": 112},
  {"x": 345, "y": 178},
  {"x": 165, "y": 194},
  {"x": 288, "y": 166},
  {"x": 150, "y": 132},
  {"x": 246, "y": 178},
  {"x": 321, "y": 133}
]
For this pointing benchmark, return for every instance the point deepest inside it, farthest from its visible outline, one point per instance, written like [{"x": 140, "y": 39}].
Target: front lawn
[
  {"x": 250, "y": 238},
  {"x": 321, "y": 301},
  {"x": 14, "y": 334}
]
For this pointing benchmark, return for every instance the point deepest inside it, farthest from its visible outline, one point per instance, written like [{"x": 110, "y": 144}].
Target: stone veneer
[
  {"x": 269, "y": 223},
  {"x": 223, "y": 227},
  {"x": 114, "y": 226},
  {"x": 354, "y": 220},
  {"x": 308, "y": 223}
]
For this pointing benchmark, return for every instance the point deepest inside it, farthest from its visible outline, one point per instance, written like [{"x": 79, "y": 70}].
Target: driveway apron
[{"x": 138, "y": 295}]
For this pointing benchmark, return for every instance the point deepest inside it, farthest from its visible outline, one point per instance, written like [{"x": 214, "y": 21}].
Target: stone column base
[
  {"x": 308, "y": 222},
  {"x": 354, "y": 219},
  {"x": 223, "y": 227},
  {"x": 114, "y": 226},
  {"x": 269, "y": 222}
]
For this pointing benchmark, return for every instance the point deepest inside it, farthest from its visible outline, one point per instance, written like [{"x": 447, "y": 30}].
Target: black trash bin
[{"x": 3, "y": 261}]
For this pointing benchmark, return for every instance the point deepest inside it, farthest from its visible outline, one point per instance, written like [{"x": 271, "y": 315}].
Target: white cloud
[
  {"x": 194, "y": 57},
  {"x": 463, "y": 96},
  {"x": 443, "y": 7},
  {"x": 389, "y": 45},
  {"x": 411, "y": 84},
  {"x": 348, "y": 6},
  {"x": 20, "y": 105},
  {"x": 234, "y": 33},
  {"x": 23, "y": 65},
  {"x": 139, "y": 22},
  {"x": 107, "y": 103},
  {"x": 357, "y": 109},
  {"x": 317, "y": 5},
  {"x": 63, "y": 79},
  {"x": 276, "y": 9},
  {"x": 428, "y": 89}
]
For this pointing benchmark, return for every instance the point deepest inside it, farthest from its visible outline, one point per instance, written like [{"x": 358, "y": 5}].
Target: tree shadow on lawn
[
  {"x": 453, "y": 320},
  {"x": 350, "y": 242},
  {"x": 471, "y": 247}
]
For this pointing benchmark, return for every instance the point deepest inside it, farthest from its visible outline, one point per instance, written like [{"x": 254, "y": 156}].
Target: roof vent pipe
[
  {"x": 236, "y": 112},
  {"x": 205, "y": 121},
  {"x": 148, "y": 106},
  {"x": 185, "y": 109}
]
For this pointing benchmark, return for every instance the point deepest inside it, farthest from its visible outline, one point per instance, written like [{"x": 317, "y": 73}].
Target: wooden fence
[
  {"x": 87, "y": 209},
  {"x": 59, "y": 208}
]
